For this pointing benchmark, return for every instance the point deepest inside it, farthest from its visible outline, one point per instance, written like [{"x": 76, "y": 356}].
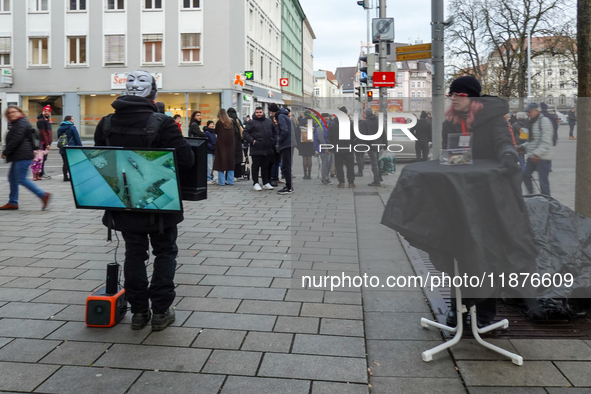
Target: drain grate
[{"x": 519, "y": 325}]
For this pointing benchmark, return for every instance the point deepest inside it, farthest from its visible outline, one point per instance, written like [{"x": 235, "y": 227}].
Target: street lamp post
[{"x": 438, "y": 111}]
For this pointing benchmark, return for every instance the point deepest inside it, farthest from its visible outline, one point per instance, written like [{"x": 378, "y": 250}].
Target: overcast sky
[{"x": 341, "y": 25}]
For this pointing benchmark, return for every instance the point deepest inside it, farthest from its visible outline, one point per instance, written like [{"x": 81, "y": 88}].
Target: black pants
[
  {"x": 64, "y": 166},
  {"x": 347, "y": 160},
  {"x": 43, "y": 165},
  {"x": 485, "y": 309},
  {"x": 161, "y": 289},
  {"x": 307, "y": 163},
  {"x": 261, "y": 162},
  {"x": 286, "y": 166},
  {"x": 360, "y": 158},
  {"x": 572, "y": 128},
  {"x": 422, "y": 150}
]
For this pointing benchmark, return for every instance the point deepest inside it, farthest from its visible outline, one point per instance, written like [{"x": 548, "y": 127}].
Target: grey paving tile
[
  {"x": 72, "y": 313},
  {"x": 394, "y": 301},
  {"x": 248, "y": 293},
  {"x": 27, "y": 350},
  {"x": 57, "y": 263},
  {"x": 24, "y": 295},
  {"x": 120, "y": 333},
  {"x": 76, "y": 353},
  {"x": 202, "y": 269},
  {"x": 268, "y": 342},
  {"x": 270, "y": 307},
  {"x": 154, "y": 357},
  {"x": 208, "y": 304},
  {"x": 62, "y": 297},
  {"x": 513, "y": 390},
  {"x": 403, "y": 359},
  {"x": 30, "y": 310},
  {"x": 241, "y": 281},
  {"x": 343, "y": 327},
  {"x": 550, "y": 390},
  {"x": 231, "y": 321},
  {"x": 550, "y": 349},
  {"x": 332, "y": 311},
  {"x": 252, "y": 385},
  {"x": 339, "y": 388},
  {"x": 187, "y": 279},
  {"x": 304, "y": 295},
  {"x": 249, "y": 271},
  {"x": 342, "y": 297},
  {"x": 386, "y": 325},
  {"x": 23, "y": 376},
  {"x": 220, "y": 339},
  {"x": 505, "y": 373},
  {"x": 329, "y": 345},
  {"x": 226, "y": 262},
  {"x": 26, "y": 283},
  {"x": 65, "y": 273},
  {"x": 298, "y": 366},
  {"x": 75, "y": 380},
  {"x": 232, "y": 362},
  {"x": 26, "y": 328},
  {"x": 381, "y": 385},
  {"x": 73, "y": 284},
  {"x": 192, "y": 291},
  {"x": 578, "y": 372},
  {"x": 176, "y": 383},
  {"x": 172, "y": 336},
  {"x": 469, "y": 349},
  {"x": 5, "y": 341},
  {"x": 18, "y": 261},
  {"x": 305, "y": 325}
]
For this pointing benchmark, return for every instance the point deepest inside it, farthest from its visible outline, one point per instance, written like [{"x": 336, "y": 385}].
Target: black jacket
[
  {"x": 423, "y": 129},
  {"x": 370, "y": 126},
  {"x": 343, "y": 145},
  {"x": 19, "y": 143},
  {"x": 134, "y": 112},
  {"x": 195, "y": 130},
  {"x": 72, "y": 135},
  {"x": 238, "y": 153},
  {"x": 491, "y": 137},
  {"x": 44, "y": 127},
  {"x": 284, "y": 131},
  {"x": 262, "y": 131}
]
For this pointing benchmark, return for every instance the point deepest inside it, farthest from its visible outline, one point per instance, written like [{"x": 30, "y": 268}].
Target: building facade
[
  {"x": 308, "y": 59},
  {"x": 292, "y": 18}
]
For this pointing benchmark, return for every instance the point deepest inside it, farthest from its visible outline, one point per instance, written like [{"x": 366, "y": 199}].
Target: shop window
[
  {"x": 153, "y": 5},
  {"x": 562, "y": 99},
  {"x": 4, "y": 51},
  {"x": 190, "y": 47},
  {"x": 152, "y": 48},
  {"x": 77, "y": 5},
  {"x": 115, "y": 50},
  {"x": 38, "y": 5},
  {"x": 116, "y": 5},
  {"x": 39, "y": 53},
  {"x": 5, "y": 6},
  {"x": 190, "y": 3},
  {"x": 77, "y": 50}
]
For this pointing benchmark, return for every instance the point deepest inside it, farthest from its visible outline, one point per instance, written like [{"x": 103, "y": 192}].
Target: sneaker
[
  {"x": 9, "y": 207},
  {"x": 66, "y": 179},
  {"x": 273, "y": 183},
  {"x": 352, "y": 185},
  {"x": 285, "y": 190},
  {"x": 257, "y": 187},
  {"x": 360, "y": 174},
  {"x": 162, "y": 320},
  {"x": 267, "y": 187},
  {"x": 211, "y": 182},
  {"x": 374, "y": 183},
  {"x": 46, "y": 197},
  {"x": 341, "y": 185},
  {"x": 45, "y": 176},
  {"x": 572, "y": 138},
  {"x": 140, "y": 319}
]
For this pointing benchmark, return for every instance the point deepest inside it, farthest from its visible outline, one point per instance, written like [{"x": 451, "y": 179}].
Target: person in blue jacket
[
  {"x": 72, "y": 139},
  {"x": 211, "y": 140}
]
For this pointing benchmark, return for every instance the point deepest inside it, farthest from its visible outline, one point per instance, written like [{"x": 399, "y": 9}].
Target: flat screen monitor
[{"x": 124, "y": 179}]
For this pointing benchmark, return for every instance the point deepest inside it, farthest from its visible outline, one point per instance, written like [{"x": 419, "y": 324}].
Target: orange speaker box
[{"x": 105, "y": 310}]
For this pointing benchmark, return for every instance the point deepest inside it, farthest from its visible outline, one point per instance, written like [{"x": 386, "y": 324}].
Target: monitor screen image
[{"x": 124, "y": 179}]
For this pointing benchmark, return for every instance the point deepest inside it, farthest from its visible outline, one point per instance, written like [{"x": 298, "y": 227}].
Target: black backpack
[
  {"x": 151, "y": 129},
  {"x": 35, "y": 138}
]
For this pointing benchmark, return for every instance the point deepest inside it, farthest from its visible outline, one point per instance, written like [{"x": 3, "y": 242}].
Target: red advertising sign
[
  {"x": 284, "y": 81},
  {"x": 383, "y": 79}
]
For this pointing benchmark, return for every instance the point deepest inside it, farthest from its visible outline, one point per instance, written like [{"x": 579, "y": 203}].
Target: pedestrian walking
[
  {"x": 209, "y": 131},
  {"x": 224, "y": 161},
  {"x": 195, "y": 125},
  {"x": 260, "y": 134},
  {"x": 538, "y": 150},
  {"x": 44, "y": 127},
  {"x": 139, "y": 229},
  {"x": 343, "y": 153},
  {"x": 72, "y": 138},
  {"x": 284, "y": 135},
  {"x": 305, "y": 143},
  {"x": 370, "y": 126},
  {"x": 19, "y": 152},
  {"x": 572, "y": 121},
  {"x": 423, "y": 131},
  {"x": 326, "y": 157}
]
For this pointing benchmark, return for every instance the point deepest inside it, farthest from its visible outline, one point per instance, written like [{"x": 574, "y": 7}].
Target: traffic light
[
  {"x": 358, "y": 93},
  {"x": 369, "y": 95},
  {"x": 364, "y": 4},
  {"x": 371, "y": 66},
  {"x": 363, "y": 68}
]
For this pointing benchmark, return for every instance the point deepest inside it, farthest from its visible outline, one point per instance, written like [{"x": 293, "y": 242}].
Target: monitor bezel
[{"x": 120, "y": 148}]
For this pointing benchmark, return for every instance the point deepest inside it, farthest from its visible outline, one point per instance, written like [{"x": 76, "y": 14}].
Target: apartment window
[
  {"x": 152, "y": 48},
  {"x": 77, "y": 50},
  {"x": 549, "y": 85},
  {"x": 191, "y": 47},
  {"x": 118, "y": 5},
  {"x": 316, "y": 91},
  {"x": 251, "y": 19},
  {"x": 251, "y": 56},
  {"x": 550, "y": 72},
  {"x": 190, "y": 3},
  {"x": 399, "y": 94},
  {"x": 562, "y": 99},
  {"x": 4, "y": 51},
  {"x": 77, "y": 5},
  {"x": 412, "y": 94},
  {"x": 574, "y": 84},
  {"x": 39, "y": 53},
  {"x": 5, "y": 6},
  {"x": 562, "y": 85},
  {"x": 37, "y": 5},
  {"x": 412, "y": 84},
  {"x": 550, "y": 100},
  {"x": 153, "y": 5},
  {"x": 418, "y": 94},
  {"x": 270, "y": 70},
  {"x": 115, "y": 49},
  {"x": 262, "y": 67}
]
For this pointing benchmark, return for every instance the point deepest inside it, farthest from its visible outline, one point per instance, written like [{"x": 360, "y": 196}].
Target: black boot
[
  {"x": 162, "y": 320},
  {"x": 140, "y": 319}
]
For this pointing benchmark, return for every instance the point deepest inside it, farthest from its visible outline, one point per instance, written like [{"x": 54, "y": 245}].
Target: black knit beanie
[{"x": 466, "y": 84}]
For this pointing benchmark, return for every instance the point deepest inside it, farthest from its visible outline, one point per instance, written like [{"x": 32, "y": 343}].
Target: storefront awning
[{"x": 269, "y": 100}]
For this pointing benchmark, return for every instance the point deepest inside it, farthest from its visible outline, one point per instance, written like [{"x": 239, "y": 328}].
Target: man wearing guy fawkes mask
[{"x": 127, "y": 128}]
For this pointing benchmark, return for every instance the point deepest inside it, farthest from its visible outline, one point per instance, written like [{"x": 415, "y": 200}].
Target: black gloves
[{"x": 509, "y": 163}]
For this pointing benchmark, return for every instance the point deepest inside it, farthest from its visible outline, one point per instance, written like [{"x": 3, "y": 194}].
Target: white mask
[{"x": 140, "y": 83}]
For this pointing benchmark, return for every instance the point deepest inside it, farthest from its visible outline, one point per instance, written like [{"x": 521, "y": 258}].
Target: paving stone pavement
[{"x": 244, "y": 322}]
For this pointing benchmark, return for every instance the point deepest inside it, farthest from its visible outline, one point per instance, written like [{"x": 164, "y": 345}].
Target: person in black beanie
[{"x": 284, "y": 131}]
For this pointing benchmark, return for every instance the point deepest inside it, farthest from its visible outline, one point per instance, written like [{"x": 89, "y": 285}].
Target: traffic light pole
[
  {"x": 383, "y": 65},
  {"x": 438, "y": 98}
]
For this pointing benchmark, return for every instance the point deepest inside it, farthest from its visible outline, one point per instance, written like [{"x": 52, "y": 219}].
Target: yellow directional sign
[
  {"x": 413, "y": 56},
  {"x": 413, "y": 48}
]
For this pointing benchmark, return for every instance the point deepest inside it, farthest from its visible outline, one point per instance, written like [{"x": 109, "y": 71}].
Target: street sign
[
  {"x": 384, "y": 79},
  {"x": 413, "y": 56},
  {"x": 5, "y": 79},
  {"x": 249, "y": 75},
  {"x": 6, "y": 72},
  {"x": 364, "y": 75},
  {"x": 382, "y": 29},
  {"x": 413, "y": 48},
  {"x": 284, "y": 81}
]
